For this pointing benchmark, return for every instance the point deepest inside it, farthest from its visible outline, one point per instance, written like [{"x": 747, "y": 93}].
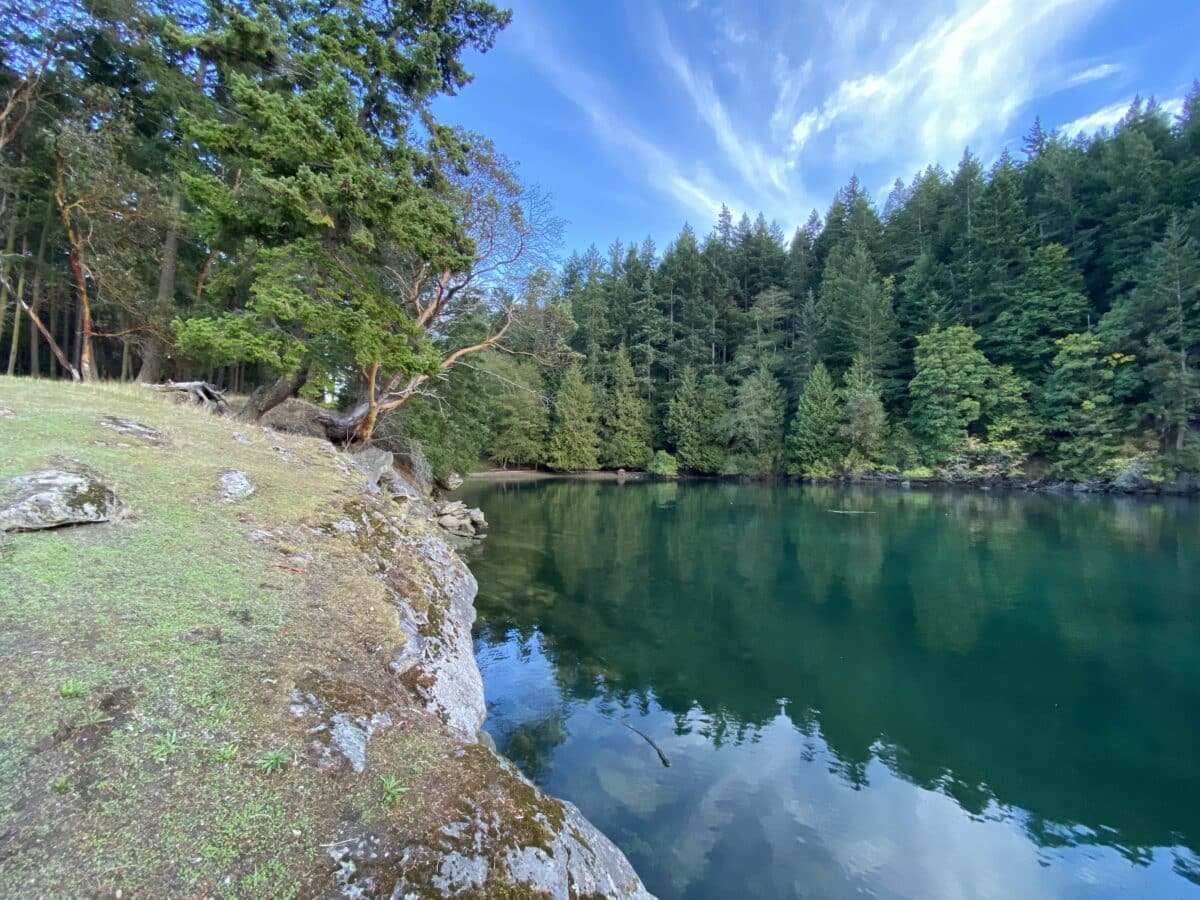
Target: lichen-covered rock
[
  {"x": 235, "y": 486},
  {"x": 547, "y": 849},
  {"x": 136, "y": 430},
  {"x": 510, "y": 838},
  {"x": 54, "y": 497}
]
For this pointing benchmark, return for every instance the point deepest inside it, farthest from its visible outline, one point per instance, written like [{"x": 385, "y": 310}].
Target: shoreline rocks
[{"x": 456, "y": 518}]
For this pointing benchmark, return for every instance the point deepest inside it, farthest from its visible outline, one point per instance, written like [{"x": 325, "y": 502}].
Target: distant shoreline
[
  {"x": 524, "y": 475},
  {"x": 1187, "y": 485}
]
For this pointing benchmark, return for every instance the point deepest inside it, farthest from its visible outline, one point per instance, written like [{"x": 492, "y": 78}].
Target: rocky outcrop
[
  {"x": 55, "y": 497},
  {"x": 460, "y": 521},
  {"x": 510, "y": 834}
]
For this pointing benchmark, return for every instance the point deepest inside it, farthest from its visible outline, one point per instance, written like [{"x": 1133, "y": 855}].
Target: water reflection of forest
[{"x": 1040, "y": 651}]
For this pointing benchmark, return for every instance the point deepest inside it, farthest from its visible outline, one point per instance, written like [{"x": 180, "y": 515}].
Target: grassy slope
[{"x": 183, "y": 636}]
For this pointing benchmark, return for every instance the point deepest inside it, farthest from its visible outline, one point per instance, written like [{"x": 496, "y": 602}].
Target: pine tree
[
  {"x": 948, "y": 389},
  {"x": 808, "y": 335},
  {"x": 864, "y": 420},
  {"x": 1048, "y": 304},
  {"x": 574, "y": 443},
  {"x": 626, "y": 432},
  {"x": 857, "y": 303},
  {"x": 755, "y": 426},
  {"x": 1082, "y": 416},
  {"x": 1159, "y": 321},
  {"x": 1001, "y": 241},
  {"x": 519, "y": 419},
  {"x": 814, "y": 444},
  {"x": 694, "y": 415}
]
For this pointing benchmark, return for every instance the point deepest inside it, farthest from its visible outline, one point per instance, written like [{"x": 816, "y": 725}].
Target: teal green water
[{"x": 883, "y": 693}]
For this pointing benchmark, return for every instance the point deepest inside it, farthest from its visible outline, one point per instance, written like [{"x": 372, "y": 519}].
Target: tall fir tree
[
  {"x": 1048, "y": 303},
  {"x": 694, "y": 417},
  {"x": 626, "y": 432},
  {"x": 574, "y": 444},
  {"x": 864, "y": 419},
  {"x": 815, "y": 446},
  {"x": 948, "y": 389}
]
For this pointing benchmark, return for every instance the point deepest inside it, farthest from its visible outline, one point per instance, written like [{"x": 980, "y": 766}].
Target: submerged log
[{"x": 649, "y": 740}]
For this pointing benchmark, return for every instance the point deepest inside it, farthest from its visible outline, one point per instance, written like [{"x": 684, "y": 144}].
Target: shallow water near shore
[{"x": 882, "y": 692}]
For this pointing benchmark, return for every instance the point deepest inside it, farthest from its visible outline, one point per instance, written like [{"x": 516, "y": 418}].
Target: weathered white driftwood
[{"x": 200, "y": 392}]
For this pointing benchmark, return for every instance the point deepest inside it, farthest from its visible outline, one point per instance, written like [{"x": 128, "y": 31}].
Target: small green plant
[
  {"x": 95, "y": 717},
  {"x": 165, "y": 747},
  {"x": 221, "y": 712},
  {"x": 393, "y": 790},
  {"x": 272, "y": 761},
  {"x": 61, "y": 784},
  {"x": 218, "y": 691},
  {"x": 71, "y": 689},
  {"x": 227, "y": 753}
]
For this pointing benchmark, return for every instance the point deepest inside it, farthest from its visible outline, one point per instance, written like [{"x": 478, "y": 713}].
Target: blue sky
[{"x": 638, "y": 115}]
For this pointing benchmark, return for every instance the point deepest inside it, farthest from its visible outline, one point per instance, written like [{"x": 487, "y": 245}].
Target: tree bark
[
  {"x": 20, "y": 293},
  {"x": 53, "y": 331},
  {"x": 266, "y": 397},
  {"x": 78, "y": 275},
  {"x": 49, "y": 336},
  {"x": 152, "y": 351},
  {"x": 10, "y": 246},
  {"x": 35, "y": 295}
]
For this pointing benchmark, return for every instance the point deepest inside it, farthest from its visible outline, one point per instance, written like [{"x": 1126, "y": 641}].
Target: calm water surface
[{"x": 943, "y": 695}]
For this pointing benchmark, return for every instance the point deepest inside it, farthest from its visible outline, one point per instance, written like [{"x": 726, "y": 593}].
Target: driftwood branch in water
[
  {"x": 200, "y": 392},
  {"x": 649, "y": 740},
  {"x": 852, "y": 512}
]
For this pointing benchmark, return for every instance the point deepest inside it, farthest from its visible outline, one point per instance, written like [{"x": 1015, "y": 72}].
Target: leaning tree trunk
[
  {"x": 347, "y": 427},
  {"x": 268, "y": 396},
  {"x": 152, "y": 345}
]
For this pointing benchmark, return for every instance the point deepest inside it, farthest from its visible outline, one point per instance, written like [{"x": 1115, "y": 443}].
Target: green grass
[{"x": 144, "y": 658}]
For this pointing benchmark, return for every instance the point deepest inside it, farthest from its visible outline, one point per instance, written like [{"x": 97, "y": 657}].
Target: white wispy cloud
[
  {"x": 1108, "y": 116},
  {"x": 761, "y": 170},
  {"x": 1093, "y": 73},
  {"x": 961, "y": 82}
]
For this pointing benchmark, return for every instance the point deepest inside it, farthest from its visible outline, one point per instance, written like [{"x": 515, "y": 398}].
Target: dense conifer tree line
[{"x": 1042, "y": 314}]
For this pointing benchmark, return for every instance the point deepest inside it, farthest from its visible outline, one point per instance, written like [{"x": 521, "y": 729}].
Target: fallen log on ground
[{"x": 199, "y": 392}]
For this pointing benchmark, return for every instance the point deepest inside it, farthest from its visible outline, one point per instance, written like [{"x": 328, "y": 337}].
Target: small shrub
[
  {"x": 71, "y": 689},
  {"x": 272, "y": 761},
  {"x": 393, "y": 790},
  {"x": 918, "y": 472},
  {"x": 663, "y": 465},
  {"x": 165, "y": 747}
]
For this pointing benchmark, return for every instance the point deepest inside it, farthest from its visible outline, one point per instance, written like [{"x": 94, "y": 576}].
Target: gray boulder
[
  {"x": 235, "y": 486},
  {"x": 54, "y": 497}
]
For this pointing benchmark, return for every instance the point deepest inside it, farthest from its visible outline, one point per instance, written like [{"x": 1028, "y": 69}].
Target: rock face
[
  {"x": 547, "y": 847},
  {"x": 54, "y": 497}
]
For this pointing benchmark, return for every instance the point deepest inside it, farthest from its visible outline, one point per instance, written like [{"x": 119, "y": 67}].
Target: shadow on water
[{"x": 1011, "y": 667}]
